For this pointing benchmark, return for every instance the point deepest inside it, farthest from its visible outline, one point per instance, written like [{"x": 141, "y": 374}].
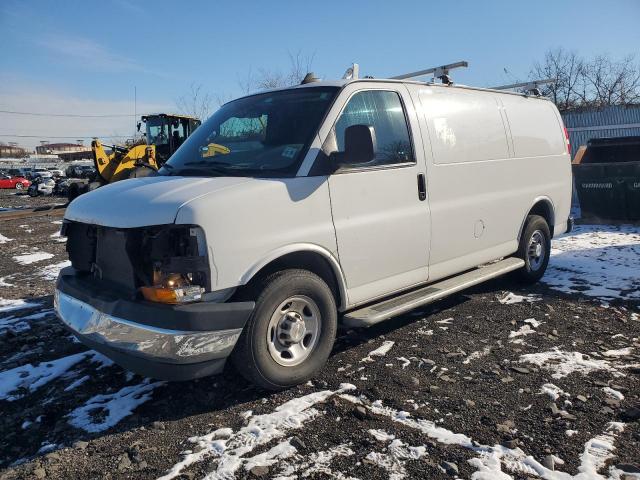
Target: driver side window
[{"x": 383, "y": 111}]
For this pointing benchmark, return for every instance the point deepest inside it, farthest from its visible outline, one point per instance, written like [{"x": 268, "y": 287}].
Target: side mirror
[
  {"x": 139, "y": 125},
  {"x": 359, "y": 146}
]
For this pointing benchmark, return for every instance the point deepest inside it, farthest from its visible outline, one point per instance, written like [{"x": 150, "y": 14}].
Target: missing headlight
[{"x": 175, "y": 264}]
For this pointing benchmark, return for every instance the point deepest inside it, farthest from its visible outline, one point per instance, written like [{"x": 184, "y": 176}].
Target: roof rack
[
  {"x": 441, "y": 72},
  {"x": 530, "y": 88}
]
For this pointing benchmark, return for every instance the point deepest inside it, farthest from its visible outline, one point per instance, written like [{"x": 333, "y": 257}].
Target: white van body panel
[
  {"x": 480, "y": 191},
  {"x": 381, "y": 226},
  {"x": 247, "y": 227},
  {"x": 141, "y": 202}
]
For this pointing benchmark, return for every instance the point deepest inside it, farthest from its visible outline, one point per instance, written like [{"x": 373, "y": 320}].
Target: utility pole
[{"x": 135, "y": 111}]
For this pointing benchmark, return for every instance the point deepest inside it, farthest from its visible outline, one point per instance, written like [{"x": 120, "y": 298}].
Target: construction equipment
[{"x": 164, "y": 134}]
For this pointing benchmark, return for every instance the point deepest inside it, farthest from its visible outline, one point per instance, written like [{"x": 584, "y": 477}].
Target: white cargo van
[{"x": 289, "y": 211}]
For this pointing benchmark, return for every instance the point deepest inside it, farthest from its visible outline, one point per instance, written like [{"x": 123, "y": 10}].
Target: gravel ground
[
  {"x": 497, "y": 382},
  {"x": 15, "y": 199}
]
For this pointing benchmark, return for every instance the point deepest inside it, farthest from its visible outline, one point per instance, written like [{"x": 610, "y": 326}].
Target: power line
[{"x": 73, "y": 115}]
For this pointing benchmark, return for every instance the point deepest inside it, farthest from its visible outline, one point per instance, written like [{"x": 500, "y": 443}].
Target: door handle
[{"x": 422, "y": 187}]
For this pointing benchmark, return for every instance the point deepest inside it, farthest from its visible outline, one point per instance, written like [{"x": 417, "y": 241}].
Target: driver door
[{"x": 379, "y": 210}]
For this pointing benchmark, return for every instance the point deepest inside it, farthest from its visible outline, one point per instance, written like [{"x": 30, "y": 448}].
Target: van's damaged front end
[{"x": 142, "y": 297}]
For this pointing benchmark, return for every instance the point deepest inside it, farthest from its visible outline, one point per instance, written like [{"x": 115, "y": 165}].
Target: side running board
[{"x": 372, "y": 314}]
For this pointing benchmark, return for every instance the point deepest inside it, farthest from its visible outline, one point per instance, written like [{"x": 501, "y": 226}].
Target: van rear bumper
[{"x": 146, "y": 338}]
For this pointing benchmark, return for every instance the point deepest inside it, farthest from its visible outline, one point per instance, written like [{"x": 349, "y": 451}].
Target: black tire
[
  {"x": 19, "y": 186},
  {"x": 73, "y": 192},
  {"x": 251, "y": 356},
  {"x": 534, "y": 267}
]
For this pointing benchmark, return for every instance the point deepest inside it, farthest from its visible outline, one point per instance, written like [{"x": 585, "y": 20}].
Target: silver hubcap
[
  {"x": 293, "y": 331},
  {"x": 18, "y": 186},
  {"x": 536, "y": 250}
]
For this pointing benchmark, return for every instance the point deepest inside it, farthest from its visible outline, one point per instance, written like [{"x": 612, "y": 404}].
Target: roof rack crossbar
[
  {"x": 531, "y": 86},
  {"x": 437, "y": 72}
]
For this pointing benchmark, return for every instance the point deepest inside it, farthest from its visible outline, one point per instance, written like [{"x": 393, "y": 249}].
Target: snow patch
[
  {"x": 31, "y": 378},
  {"x": 394, "y": 460},
  {"x": 553, "y": 391},
  {"x": 491, "y": 459},
  {"x": 522, "y": 331},
  {"x": 230, "y": 447},
  {"x": 596, "y": 260},
  {"x": 613, "y": 393},
  {"x": 511, "y": 298},
  {"x": 51, "y": 272},
  {"x": 8, "y": 305},
  {"x": 316, "y": 465},
  {"x": 475, "y": 355},
  {"x": 381, "y": 351},
  {"x": 29, "y": 258},
  {"x": 113, "y": 407},
  {"x": 533, "y": 322},
  {"x": 381, "y": 435},
  {"x": 565, "y": 363},
  {"x": 4, "y": 239}
]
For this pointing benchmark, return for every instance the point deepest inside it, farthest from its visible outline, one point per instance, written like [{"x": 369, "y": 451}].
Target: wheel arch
[
  {"x": 542, "y": 206},
  {"x": 310, "y": 257}
]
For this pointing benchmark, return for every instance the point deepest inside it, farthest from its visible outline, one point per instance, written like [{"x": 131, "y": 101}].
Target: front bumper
[{"x": 169, "y": 342}]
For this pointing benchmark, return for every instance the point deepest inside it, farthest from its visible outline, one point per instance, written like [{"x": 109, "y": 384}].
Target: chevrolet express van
[{"x": 291, "y": 210}]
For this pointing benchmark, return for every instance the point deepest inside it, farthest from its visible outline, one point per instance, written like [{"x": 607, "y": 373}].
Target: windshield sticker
[{"x": 290, "y": 152}]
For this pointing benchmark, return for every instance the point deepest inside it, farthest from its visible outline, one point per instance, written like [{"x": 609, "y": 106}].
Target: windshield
[
  {"x": 262, "y": 135},
  {"x": 157, "y": 133}
]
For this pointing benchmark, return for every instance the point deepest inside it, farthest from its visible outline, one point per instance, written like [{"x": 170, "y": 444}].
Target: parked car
[
  {"x": 290, "y": 210},
  {"x": 39, "y": 172},
  {"x": 9, "y": 181},
  {"x": 41, "y": 185},
  {"x": 17, "y": 172},
  {"x": 56, "y": 172}
]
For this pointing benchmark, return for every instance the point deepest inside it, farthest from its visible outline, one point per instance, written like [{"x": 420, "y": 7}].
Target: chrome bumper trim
[{"x": 151, "y": 343}]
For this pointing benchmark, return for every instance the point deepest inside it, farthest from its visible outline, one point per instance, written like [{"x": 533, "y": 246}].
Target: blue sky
[{"x": 86, "y": 56}]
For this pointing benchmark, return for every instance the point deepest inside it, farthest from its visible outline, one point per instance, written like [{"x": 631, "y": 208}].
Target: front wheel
[
  {"x": 19, "y": 186},
  {"x": 534, "y": 249},
  {"x": 290, "y": 333}
]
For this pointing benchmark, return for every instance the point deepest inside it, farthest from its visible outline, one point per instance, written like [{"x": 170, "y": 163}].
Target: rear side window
[
  {"x": 383, "y": 111},
  {"x": 464, "y": 126}
]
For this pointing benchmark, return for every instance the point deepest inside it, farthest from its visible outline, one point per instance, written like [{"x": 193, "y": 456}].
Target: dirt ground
[{"x": 497, "y": 382}]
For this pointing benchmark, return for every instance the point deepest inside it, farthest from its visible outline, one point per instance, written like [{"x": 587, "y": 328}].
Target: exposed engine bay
[{"x": 153, "y": 262}]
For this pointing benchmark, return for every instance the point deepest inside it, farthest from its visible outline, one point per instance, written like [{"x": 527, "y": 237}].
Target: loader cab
[{"x": 167, "y": 132}]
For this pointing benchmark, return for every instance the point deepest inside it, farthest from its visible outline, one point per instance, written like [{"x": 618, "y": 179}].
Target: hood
[{"x": 141, "y": 202}]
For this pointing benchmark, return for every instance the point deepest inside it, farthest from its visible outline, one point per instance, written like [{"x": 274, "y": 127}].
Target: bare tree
[
  {"x": 568, "y": 70},
  {"x": 598, "y": 82},
  {"x": 265, "y": 79},
  {"x": 196, "y": 102},
  {"x": 610, "y": 82}
]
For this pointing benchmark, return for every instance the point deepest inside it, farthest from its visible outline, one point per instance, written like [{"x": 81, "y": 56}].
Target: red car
[{"x": 7, "y": 181}]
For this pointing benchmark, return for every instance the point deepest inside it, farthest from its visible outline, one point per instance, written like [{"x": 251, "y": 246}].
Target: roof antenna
[{"x": 309, "y": 78}]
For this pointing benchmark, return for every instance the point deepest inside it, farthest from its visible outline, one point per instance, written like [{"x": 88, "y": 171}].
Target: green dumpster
[{"x": 607, "y": 179}]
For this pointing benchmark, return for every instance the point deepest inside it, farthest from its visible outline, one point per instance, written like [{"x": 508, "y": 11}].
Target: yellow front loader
[{"x": 164, "y": 134}]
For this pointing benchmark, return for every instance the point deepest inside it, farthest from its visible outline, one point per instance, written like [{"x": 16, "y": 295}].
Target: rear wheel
[
  {"x": 19, "y": 186},
  {"x": 534, "y": 249},
  {"x": 291, "y": 331}
]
